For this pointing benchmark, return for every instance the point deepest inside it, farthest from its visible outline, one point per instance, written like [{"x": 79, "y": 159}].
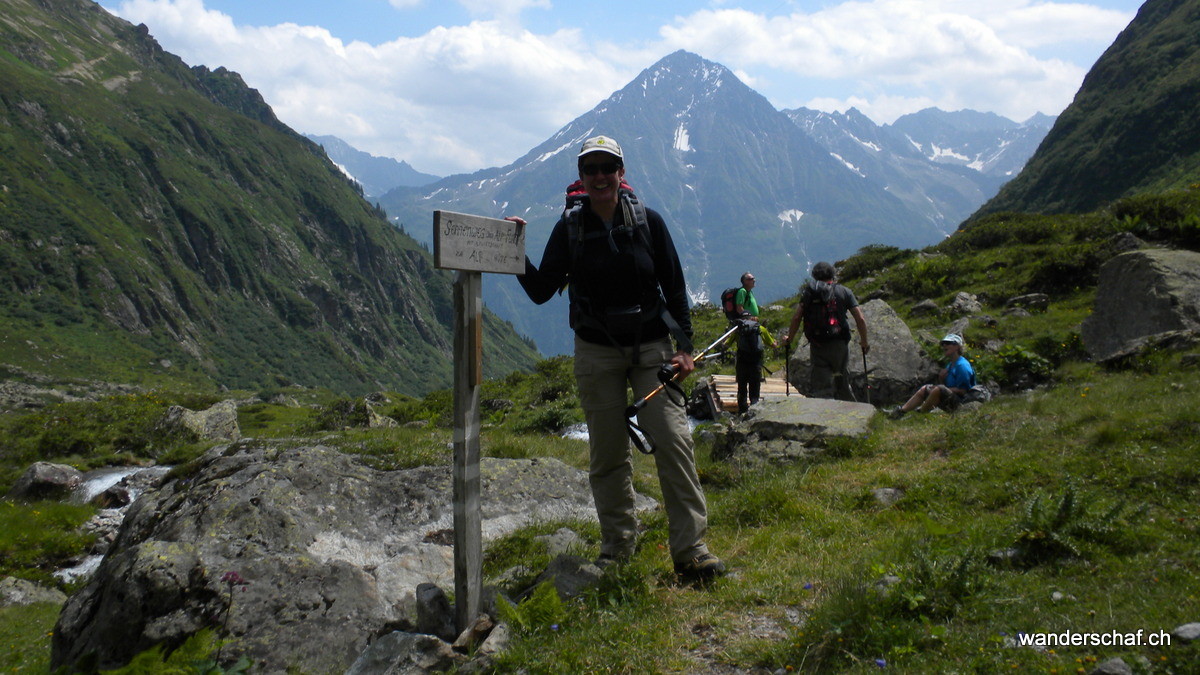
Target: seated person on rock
[{"x": 955, "y": 381}]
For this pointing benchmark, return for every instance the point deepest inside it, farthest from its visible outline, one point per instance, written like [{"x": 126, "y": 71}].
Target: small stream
[{"x": 135, "y": 480}]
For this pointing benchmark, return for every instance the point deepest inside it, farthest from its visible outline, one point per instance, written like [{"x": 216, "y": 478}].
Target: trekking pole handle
[{"x": 670, "y": 372}]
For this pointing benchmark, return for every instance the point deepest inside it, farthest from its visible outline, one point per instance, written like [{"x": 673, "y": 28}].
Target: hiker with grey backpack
[{"x": 823, "y": 308}]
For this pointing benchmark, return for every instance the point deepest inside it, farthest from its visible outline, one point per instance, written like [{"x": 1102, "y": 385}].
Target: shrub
[
  {"x": 1066, "y": 268},
  {"x": 1169, "y": 216},
  {"x": 540, "y": 611},
  {"x": 340, "y": 414},
  {"x": 872, "y": 259}
]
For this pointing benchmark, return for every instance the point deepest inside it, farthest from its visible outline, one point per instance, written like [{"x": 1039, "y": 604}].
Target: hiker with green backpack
[
  {"x": 628, "y": 300},
  {"x": 822, "y": 309}
]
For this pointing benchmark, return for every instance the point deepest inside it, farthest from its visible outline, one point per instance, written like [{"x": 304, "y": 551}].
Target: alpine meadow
[{"x": 228, "y": 421}]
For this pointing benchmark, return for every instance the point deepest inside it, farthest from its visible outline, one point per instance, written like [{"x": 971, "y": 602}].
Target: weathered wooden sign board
[
  {"x": 477, "y": 244},
  {"x": 472, "y": 245}
]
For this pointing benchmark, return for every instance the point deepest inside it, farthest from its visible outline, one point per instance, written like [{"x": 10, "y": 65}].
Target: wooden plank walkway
[{"x": 724, "y": 388}]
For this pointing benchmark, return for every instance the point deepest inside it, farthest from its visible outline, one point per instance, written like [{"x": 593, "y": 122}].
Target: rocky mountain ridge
[{"x": 738, "y": 182}]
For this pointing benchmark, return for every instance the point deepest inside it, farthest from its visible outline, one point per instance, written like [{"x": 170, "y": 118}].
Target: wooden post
[
  {"x": 468, "y": 379},
  {"x": 471, "y": 245}
]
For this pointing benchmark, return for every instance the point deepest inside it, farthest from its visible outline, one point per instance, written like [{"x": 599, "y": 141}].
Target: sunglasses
[{"x": 593, "y": 169}]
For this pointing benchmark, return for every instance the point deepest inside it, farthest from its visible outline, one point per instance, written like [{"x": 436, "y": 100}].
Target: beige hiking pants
[{"x": 604, "y": 374}]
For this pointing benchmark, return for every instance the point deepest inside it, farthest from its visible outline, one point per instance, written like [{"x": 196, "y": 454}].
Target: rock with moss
[
  {"x": 328, "y": 552},
  {"x": 1141, "y": 294},
  {"x": 218, "y": 422},
  {"x": 788, "y": 429},
  {"x": 45, "y": 480}
]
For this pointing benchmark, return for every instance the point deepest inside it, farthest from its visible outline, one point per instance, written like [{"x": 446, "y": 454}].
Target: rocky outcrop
[
  {"x": 895, "y": 363},
  {"x": 787, "y": 429},
  {"x": 217, "y": 423},
  {"x": 16, "y": 592},
  {"x": 327, "y": 552},
  {"x": 43, "y": 480},
  {"x": 1140, "y": 294}
]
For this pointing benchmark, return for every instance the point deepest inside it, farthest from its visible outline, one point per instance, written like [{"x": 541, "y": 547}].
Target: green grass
[
  {"x": 37, "y": 538},
  {"x": 808, "y": 542},
  {"x": 25, "y": 638},
  {"x": 1092, "y": 475}
]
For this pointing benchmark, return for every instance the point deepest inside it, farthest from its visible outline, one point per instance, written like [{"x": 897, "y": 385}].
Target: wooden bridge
[{"x": 723, "y": 390}]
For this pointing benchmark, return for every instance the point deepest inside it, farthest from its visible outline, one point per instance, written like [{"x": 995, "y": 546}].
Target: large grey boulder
[
  {"x": 1140, "y": 294},
  {"x": 45, "y": 480},
  {"x": 218, "y": 422},
  {"x": 791, "y": 428},
  {"x": 331, "y": 552},
  {"x": 896, "y": 364}
]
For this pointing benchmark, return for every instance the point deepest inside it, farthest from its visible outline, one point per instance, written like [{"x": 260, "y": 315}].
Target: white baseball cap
[{"x": 602, "y": 144}]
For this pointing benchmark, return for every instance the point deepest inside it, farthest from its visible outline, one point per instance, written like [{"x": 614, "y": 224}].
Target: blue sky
[{"x": 458, "y": 85}]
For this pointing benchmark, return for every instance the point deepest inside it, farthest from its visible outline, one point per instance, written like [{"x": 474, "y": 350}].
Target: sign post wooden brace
[{"x": 472, "y": 245}]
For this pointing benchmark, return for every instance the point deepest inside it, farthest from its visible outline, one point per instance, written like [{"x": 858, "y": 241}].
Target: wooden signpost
[{"x": 472, "y": 245}]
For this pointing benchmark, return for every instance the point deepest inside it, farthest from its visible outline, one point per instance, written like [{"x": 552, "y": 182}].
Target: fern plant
[{"x": 1052, "y": 529}]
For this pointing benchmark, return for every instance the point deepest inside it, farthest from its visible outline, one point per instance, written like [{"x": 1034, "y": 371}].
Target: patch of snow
[
  {"x": 940, "y": 153},
  {"x": 346, "y": 171},
  {"x": 790, "y": 217},
  {"x": 681, "y": 139},
  {"x": 850, "y": 166},
  {"x": 547, "y": 155}
]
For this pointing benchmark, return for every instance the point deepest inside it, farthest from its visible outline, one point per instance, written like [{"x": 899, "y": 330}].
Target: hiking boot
[
  {"x": 702, "y": 567},
  {"x": 897, "y": 412},
  {"x": 607, "y": 560}
]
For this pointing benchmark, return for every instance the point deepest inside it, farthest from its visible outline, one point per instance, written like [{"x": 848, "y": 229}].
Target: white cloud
[
  {"x": 459, "y": 98},
  {"x": 947, "y": 53},
  {"x": 455, "y": 99}
]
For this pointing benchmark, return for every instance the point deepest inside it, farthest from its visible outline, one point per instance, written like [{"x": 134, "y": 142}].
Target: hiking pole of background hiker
[
  {"x": 666, "y": 375},
  {"x": 866, "y": 382}
]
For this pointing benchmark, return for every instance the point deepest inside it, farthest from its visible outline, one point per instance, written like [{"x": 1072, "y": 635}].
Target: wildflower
[
  {"x": 232, "y": 578},
  {"x": 882, "y": 663},
  {"x": 808, "y": 586}
]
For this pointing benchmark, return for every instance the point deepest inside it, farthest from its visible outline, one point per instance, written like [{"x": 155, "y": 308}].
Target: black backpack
[
  {"x": 749, "y": 336},
  {"x": 728, "y": 304},
  {"x": 821, "y": 316}
]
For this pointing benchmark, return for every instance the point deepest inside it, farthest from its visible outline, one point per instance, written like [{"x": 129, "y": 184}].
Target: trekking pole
[
  {"x": 866, "y": 382},
  {"x": 787, "y": 371},
  {"x": 666, "y": 375}
]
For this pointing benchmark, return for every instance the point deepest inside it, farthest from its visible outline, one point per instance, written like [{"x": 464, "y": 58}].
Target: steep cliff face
[
  {"x": 1133, "y": 126},
  {"x": 157, "y": 222}
]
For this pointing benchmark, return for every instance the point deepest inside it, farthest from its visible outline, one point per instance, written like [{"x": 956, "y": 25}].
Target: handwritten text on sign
[{"x": 477, "y": 244}]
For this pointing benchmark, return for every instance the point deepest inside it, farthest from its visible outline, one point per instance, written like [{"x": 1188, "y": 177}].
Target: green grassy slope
[
  {"x": 1132, "y": 126},
  {"x": 160, "y": 225}
]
